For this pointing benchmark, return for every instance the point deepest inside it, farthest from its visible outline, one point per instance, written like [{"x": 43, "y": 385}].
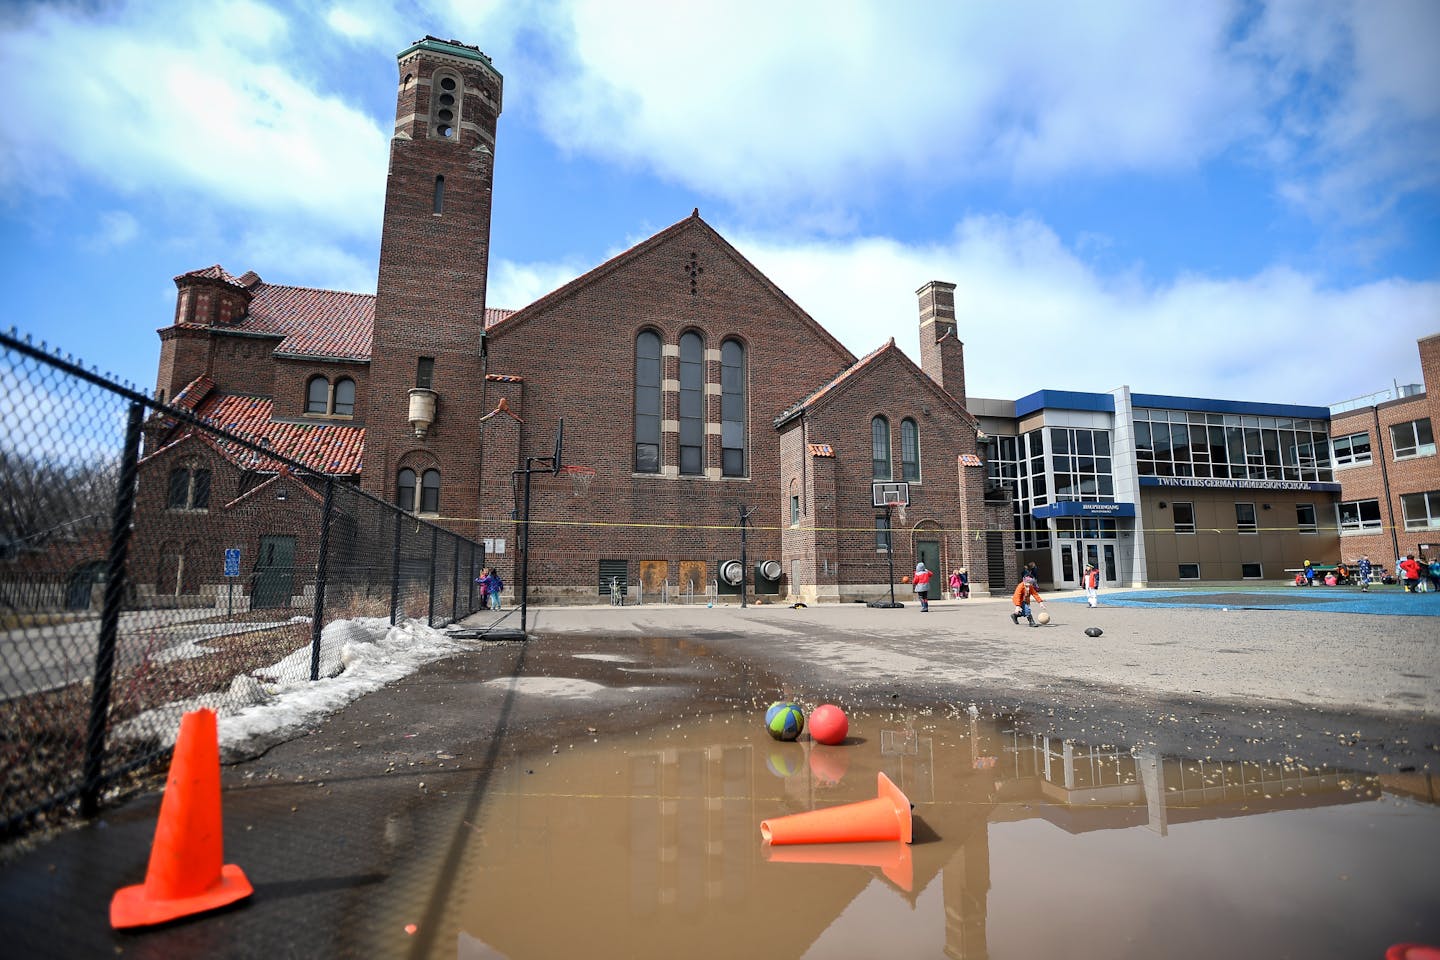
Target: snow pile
[{"x": 271, "y": 704}]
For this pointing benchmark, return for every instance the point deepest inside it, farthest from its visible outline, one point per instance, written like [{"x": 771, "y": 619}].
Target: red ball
[{"x": 828, "y": 724}]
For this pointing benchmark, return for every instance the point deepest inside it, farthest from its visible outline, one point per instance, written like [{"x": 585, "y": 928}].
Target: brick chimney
[{"x": 942, "y": 355}]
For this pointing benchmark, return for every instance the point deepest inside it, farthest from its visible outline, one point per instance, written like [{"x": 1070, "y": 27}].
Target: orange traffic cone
[
  {"x": 186, "y": 873},
  {"x": 893, "y": 859},
  {"x": 887, "y": 817}
]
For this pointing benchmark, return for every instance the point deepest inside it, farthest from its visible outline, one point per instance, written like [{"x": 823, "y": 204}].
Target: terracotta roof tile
[
  {"x": 193, "y": 393},
  {"x": 327, "y": 448},
  {"x": 821, "y": 450}
]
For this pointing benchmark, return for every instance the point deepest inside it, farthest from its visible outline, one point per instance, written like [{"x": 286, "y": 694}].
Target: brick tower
[
  {"x": 425, "y": 369},
  {"x": 942, "y": 355}
]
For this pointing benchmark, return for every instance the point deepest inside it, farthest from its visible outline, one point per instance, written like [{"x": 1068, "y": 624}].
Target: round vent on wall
[{"x": 732, "y": 572}]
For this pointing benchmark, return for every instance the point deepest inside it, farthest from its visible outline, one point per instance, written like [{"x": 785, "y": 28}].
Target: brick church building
[{"x": 693, "y": 387}]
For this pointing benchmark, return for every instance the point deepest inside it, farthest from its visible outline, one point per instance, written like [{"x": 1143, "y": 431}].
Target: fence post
[
  {"x": 434, "y": 546},
  {"x": 395, "y": 567},
  {"x": 322, "y": 569},
  {"x": 110, "y": 614},
  {"x": 455, "y": 585},
  {"x": 470, "y": 600}
]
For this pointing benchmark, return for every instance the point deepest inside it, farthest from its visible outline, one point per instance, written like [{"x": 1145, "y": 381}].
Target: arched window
[
  {"x": 430, "y": 491},
  {"x": 405, "y": 490},
  {"x": 317, "y": 395},
  {"x": 880, "y": 448},
  {"x": 647, "y": 403},
  {"x": 344, "y": 397},
  {"x": 189, "y": 488},
  {"x": 439, "y": 196},
  {"x": 732, "y": 409},
  {"x": 909, "y": 450},
  {"x": 692, "y": 404}
]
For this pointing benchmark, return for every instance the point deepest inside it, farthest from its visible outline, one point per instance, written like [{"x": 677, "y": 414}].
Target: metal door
[
  {"x": 928, "y": 553},
  {"x": 274, "y": 572}
]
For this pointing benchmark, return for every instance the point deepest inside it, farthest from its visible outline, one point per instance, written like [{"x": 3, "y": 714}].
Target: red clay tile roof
[
  {"x": 821, "y": 450},
  {"x": 193, "y": 392},
  {"x": 325, "y": 323},
  {"x": 328, "y": 448}
]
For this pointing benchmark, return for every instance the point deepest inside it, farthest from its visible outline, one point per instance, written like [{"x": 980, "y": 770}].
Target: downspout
[{"x": 1385, "y": 482}]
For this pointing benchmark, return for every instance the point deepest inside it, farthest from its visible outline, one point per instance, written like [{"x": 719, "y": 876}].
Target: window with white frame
[
  {"x": 1413, "y": 439},
  {"x": 1184, "y": 514},
  {"x": 1421, "y": 510},
  {"x": 1251, "y": 571},
  {"x": 1245, "y": 518},
  {"x": 1358, "y": 515},
  {"x": 1189, "y": 571},
  {"x": 1352, "y": 450},
  {"x": 1305, "y": 520}
]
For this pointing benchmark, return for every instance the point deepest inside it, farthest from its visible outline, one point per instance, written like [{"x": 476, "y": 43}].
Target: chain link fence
[{"x": 150, "y": 559}]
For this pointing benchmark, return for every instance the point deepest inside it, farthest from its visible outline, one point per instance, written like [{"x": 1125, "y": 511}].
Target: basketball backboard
[{"x": 894, "y": 493}]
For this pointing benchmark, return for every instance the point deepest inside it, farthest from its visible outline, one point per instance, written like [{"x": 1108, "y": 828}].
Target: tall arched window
[
  {"x": 344, "y": 397},
  {"x": 692, "y": 404},
  {"x": 880, "y": 448},
  {"x": 647, "y": 403},
  {"x": 732, "y": 409},
  {"x": 909, "y": 450},
  {"x": 405, "y": 490},
  {"x": 430, "y": 491},
  {"x": 439, "y": 196},
  {"x": 317, "y": 395}
]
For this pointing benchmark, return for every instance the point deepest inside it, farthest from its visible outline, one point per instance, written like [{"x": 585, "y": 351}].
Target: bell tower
[
  {"x": 429, "y": 322},
  {"x": 942, "y": 355}
]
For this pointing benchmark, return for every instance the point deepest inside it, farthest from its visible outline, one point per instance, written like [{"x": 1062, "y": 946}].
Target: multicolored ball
[{"x": 784, "y": 720}]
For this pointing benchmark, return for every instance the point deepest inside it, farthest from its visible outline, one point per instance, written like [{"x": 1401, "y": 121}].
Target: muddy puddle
[{"x": 1024, "y": 846}]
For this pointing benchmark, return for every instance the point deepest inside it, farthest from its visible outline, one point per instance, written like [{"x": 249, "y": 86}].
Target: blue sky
[{"x": 1238, "y": 200}]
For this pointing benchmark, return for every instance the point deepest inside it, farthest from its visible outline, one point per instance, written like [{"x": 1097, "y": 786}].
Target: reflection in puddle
[{"x": 649, "y": 846}]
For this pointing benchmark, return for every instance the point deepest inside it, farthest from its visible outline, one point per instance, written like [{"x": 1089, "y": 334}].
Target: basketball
[
  {"x": 829, "y": 725},
  {"x": 1042, "y": 617},
  {"x": 1093, "y": 631},
  {"x": 784, "y": 720}
]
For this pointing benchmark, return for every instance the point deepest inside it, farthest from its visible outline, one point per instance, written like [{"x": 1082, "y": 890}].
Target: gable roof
[
  {"x": 519, "y": 317},
  {"x": 868, "y": 362}
]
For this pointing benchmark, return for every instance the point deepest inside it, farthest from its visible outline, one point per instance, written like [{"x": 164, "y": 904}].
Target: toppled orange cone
[
  {"x": 887, "y": 817},
  {"x": 187, "y": 873}
]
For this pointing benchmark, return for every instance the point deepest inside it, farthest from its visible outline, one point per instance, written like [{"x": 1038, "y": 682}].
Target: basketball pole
[{"x": 890, "y": 550}]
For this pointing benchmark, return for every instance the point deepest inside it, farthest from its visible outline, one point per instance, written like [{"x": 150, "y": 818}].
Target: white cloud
[
  {"x": 186, "y": 101},
  {"x": 515, "y": 285},
  {"x": 1033, "y": 314},
  {"x": 115, "y": 229},
  {"x": 769, "y": 100}
]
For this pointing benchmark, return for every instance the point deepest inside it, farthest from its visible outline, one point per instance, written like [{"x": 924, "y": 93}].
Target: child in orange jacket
[{"x": 1023, "y": 594}]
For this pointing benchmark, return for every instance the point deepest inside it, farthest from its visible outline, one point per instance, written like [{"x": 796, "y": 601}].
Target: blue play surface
[{"x": 1388, "y": 601}]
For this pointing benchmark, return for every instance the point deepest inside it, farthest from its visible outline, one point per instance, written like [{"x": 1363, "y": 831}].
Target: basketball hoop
[
  {"x": 580, "y": 478},
  {"x": 900, "y": 511}
]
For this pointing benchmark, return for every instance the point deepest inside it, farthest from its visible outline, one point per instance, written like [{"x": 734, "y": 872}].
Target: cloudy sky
[{"x": 1220, "y": 199}]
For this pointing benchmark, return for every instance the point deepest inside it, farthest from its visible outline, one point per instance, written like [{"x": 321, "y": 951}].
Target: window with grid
[
  {"x": 732, "y": 409},
  {"x": 189, "y": 488},
  {"x": 692, "y": 404},
  {"x": 647, "y": 403},
  {"x": 1358, "y": 515},
  {"x": 1421, "y": 510},
  {"x": 909, "y": 450},
  {"x": 1413, "y": 439},
  {"x": 1352, "y": 450},
  {"x": 880, "y": 448}
]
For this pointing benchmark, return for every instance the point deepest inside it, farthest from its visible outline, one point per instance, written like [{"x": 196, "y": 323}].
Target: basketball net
[
  {"x": 580, "y": 478},
  {"x": 900, "y": 511}
]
